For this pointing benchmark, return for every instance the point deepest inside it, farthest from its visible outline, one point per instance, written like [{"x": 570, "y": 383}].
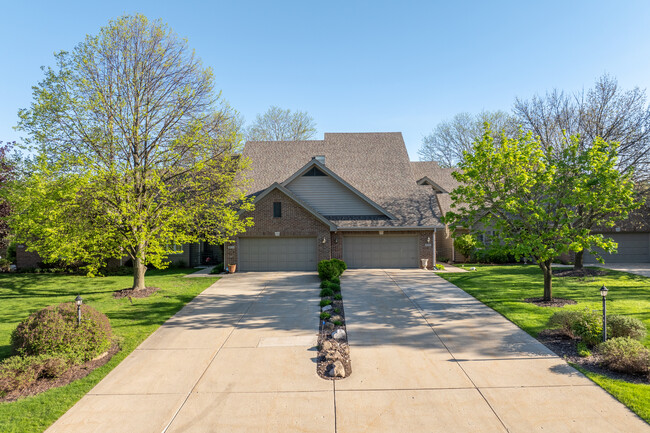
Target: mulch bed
[
  {"x": 580, "y": 273},
  {"x": 565, "y": 348},
  {"x": 340, "y": 348},
  {"x": 555, "y": 302},
  {"x": 74, "y": 373},
  {"x": 130, "y": 293}
]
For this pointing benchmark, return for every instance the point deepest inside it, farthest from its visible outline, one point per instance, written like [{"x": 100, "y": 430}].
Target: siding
[{"x": 329, "y": 197}]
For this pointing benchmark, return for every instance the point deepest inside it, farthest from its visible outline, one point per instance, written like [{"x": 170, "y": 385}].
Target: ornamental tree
[
  {"x": 531, "y": 197},
  {"x": 136, "y": 152},
  {"x": 6, "y": 174}
]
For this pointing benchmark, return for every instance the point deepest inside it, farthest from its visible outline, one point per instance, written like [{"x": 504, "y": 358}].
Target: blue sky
[{"x": 358, "y": 66}]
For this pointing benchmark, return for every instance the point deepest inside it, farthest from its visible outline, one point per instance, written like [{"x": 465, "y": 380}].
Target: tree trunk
[
  {"x": 579, "y": 260},
  {"x": 139, "y": 269},
  {"x": 548, "y": 279}
]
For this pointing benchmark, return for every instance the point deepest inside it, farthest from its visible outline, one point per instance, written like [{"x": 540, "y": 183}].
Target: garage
[
  {"x": 632, "y": 248},
  {"x": 277, "y": 254},
  {"x": 381, "y": 251}
]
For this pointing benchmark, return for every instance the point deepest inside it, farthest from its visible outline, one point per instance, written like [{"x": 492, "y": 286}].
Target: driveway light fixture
[
  {"x": 603, "y": 293},
  {"x": 78, "y": 300}
]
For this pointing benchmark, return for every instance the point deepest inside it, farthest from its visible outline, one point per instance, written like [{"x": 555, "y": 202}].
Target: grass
[
  {"x": 22, "y": 294},
  {"x": 504, "y": 288}
]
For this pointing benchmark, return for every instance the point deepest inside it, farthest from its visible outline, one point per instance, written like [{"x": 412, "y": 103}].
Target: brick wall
[
  {"x": 26, "y": 259},
  {"x": 295, "y": 222}
]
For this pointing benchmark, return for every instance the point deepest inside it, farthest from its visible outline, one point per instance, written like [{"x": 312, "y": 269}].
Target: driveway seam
[
  {"x": 419, "y": 309},
  {"x": 214, "y": 356}
]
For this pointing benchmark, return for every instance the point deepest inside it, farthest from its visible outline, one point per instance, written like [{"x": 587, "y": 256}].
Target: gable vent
[{"x": 319, "y": 158}]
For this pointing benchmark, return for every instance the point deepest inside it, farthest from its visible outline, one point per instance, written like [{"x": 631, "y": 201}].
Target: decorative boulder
[
  {"x": 327, "y": 346},
  {"x": 327, "y": 308},
  {"x": 336, "y": 318},
  {"x": 339, "y": 334},
  {"x": 337, "y": 369},
  {"x": 328, "y": 326}
]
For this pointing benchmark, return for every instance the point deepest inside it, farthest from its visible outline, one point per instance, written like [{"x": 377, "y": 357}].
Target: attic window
[{"x": 314, "y": 171}]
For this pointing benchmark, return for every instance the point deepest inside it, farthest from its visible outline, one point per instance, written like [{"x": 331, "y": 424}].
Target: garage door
[
  {"x": 632, "y": 248},
  {"x": 277, "y": 254},
  {"x": 381, "y": 251}
]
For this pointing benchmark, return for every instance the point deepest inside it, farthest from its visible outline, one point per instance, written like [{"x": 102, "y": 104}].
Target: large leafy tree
[
  {"x": 136, "y": 152},
  {"x": 450, "y": 138},
  {"x": 6, "y": 173},
  {"x": 281, "y": 125},
  {"x": 530, "y": 196},
  {"x": 606, "y": 111}
]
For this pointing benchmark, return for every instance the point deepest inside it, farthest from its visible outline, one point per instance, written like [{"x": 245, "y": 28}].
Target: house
[{"x": 352, "y": 196}]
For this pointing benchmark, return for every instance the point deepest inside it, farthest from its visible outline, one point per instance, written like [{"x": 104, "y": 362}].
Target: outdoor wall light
[
  {"x": 324, "y": 240},
  {"x": 603, "y": 293},
  {"x": 78, "y": 300}
]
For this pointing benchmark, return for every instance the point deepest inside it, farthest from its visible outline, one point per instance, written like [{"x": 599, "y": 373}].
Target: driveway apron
[
  {"x": 239, "y": 358},
  {"x": 428, "y": 357}
]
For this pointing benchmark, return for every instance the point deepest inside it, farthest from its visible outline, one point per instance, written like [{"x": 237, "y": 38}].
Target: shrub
[
  {"x": 11, "y": 252},
  {"x": 330, "y": 285},
  {"x": 465, "y": 244},
  {"x": 442, "y": 259},
  {"x": 325, "y": 315},
  {"x": 326, "y": 292},
  {"x": 337, "y": 310},
  {"x": 582, "y": 349},
  {"x": 589, "y": 327},
  {"x": 324, "y": 302},
  {"x": 625, "y": 354},
  {"x": 624, "y": 326},
  {"x": 331, "y": 269},
  {"x": 54, "y": 331},
  {"x": 18, "y": 372},
  {"x": 338, "y": 297},
  {"x": 338, "y": 323},
  {"x": 5, "y": 265},
  {"x": 564, "y": 320},
  {"x": 335, "y": 280}
]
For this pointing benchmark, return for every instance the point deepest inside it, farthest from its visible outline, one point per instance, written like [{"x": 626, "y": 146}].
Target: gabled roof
[
  {"x": 426, "y": 181},
  {"x": 376, "y": 165},
  {"x": 293, "y": 197},
  {"x": 438, "y": 177},
  {"x": 324, "y": 169}
]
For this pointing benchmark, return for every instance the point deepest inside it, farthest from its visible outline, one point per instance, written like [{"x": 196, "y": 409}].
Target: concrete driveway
[
  {"x": 642, "y": 269},
  {"x": 426, "y": 357}
]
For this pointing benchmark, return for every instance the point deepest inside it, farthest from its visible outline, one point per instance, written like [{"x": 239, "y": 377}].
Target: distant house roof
[
  {"x": 438, "y": 176},
  {"x": 375, "y": 164}
]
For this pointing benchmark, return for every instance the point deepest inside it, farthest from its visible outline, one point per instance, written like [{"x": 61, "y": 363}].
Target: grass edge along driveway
[
  {"x": 503, "y": 288},
  {"x": 132, "y": 323}
]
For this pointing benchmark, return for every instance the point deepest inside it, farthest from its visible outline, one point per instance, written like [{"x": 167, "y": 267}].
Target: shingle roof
[
  {"x": 376, "y": 164},
  {"x": 441, "y": 176}
]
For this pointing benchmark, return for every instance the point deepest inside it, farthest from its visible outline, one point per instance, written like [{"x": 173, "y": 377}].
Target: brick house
[{"x": 352, "y": 196}]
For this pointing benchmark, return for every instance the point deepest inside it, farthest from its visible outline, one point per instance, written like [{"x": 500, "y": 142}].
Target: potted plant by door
[{"x": 232, "y": 268}]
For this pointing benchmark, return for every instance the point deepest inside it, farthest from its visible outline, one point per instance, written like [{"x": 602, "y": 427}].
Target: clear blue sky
[{"x": 357, "y": 66}]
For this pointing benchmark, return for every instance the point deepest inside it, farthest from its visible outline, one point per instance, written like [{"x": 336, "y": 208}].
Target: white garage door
[
  {"x": 381, "y": 251},
  {"x": 632, "y": 248},
  {"x": 277, "y": 254}
]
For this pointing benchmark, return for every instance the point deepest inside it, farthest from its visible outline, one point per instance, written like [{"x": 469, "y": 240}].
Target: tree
[
  {"x": 604, "y": 111},
  {"x": 281, "y": 125},
  {"x": 136, "y": 152},
  {"x": 530, "y": 196},
  {"x": 6, "y": 173},
  {"x": 450, "y": 138}
]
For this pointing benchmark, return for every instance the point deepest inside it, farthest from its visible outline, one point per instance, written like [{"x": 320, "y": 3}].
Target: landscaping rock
[
  {"x": 328, "y": 326},
  {"x": 336, "y": 318},
  {"x": 326, "y": 346},
  {"x": 337, "y": 369},
  {"x": 333, "y": 355},
  {"x": 339, "y": 334},
  {"x": 327, "y": 308}
]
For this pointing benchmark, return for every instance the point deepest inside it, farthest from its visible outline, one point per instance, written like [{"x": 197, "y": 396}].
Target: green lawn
[
  {"x": 22, "y": 294},
  {"x": 504, "y": 287}
]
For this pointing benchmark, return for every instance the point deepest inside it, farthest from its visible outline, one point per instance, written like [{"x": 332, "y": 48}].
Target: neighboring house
[
  {"x": 632, "y": 236},
  {"x": 352, "y": 196}
]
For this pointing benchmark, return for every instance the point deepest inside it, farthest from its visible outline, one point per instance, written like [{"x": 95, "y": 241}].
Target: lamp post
[
  {"x": 78, "y": 300},
  {"x": 603, "y": 293}
]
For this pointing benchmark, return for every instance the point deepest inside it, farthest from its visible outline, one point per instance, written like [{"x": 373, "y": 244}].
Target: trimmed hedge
[
  {"x": 331, "y": 269},
  {"x": 53, "y": 331}
]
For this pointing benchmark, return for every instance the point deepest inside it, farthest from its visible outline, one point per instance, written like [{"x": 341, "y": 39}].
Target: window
[
  {"x": 314, "y": 172},
  {"x": 277, "y": 209}
]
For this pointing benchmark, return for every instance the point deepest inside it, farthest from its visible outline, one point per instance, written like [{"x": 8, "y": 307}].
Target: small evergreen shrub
[
  {"x": 564, "y": 320},
  {"x": 5, "y": 265},
  {"x": 330, "y": 285},
  {"x": 625, "y": 326},
  {"x": 17, "y": 372},
  {"x": 325, "y": 315},
  {"x": 53, "y": 331},
  {"x": 589, "y": 327},
  {"x": 338, "y": 297},
  {"x": 326, "y": 292},
  {"x": 625, "y": 354},
  {"x": 582, "y": 349},
  {"x": 324, "y": 302},
  {"x": 338, "y": 323},
  {"x": 331, "y": 269},
  {"x": 340, "y": 265},
  {"x": 335, "y": 280}
]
